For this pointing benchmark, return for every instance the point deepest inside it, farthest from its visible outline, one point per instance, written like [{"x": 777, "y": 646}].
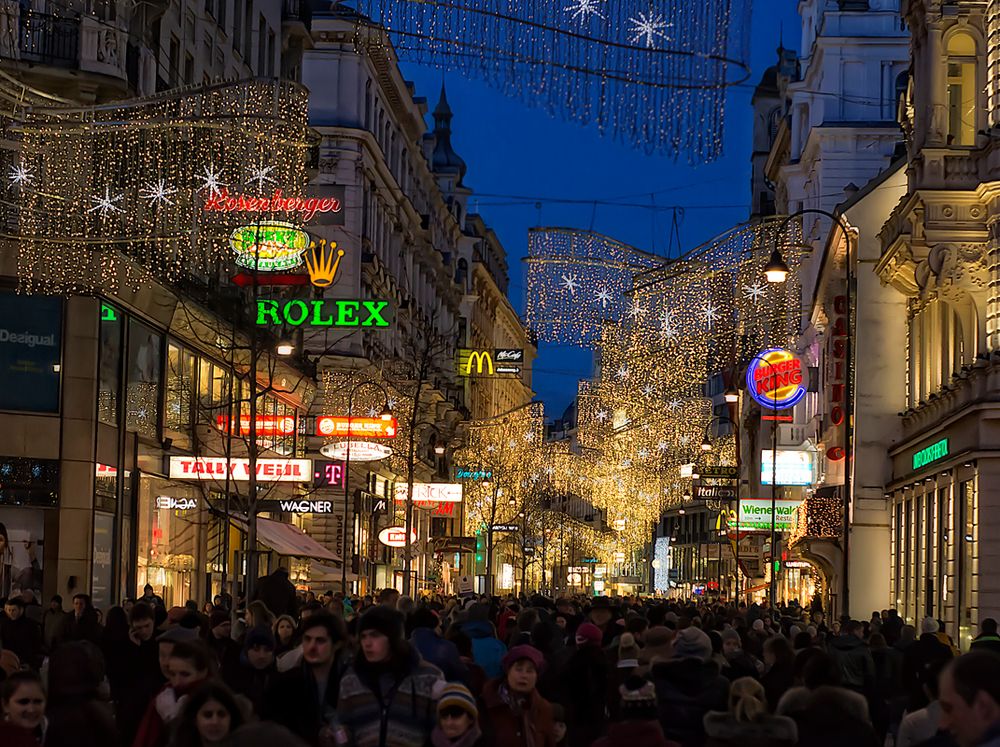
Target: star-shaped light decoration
[
  {"x": 685, "y": 440},
  {"x": 647, "y": 391},
  {"x": 622, "y": 372},
  {"x": 158, "y": 193},
  {"x": 19, "y": 175},
  {"x": 372, "y": 412},
  {"x": 604, "y": 297},
  {"x": 673, "y": 404},
  {"x": 261, "y": 175},
  {"x": 637, "y": 310},
  {"x": 642, "y": 453},
  {"x": 491, "y": 448},
  {"x": 626, "y": 463},
  {"x": 105, "y": 205},
  {"x": 582, "y": 9},
  {"x": 646, "y": 29},
  {"x": 549, "y": 470},
  {"x": 661, "y": 446},
  {"x": 601, "y": 415},
  {"x": 391, "y": 403},
  {"x": 570, "y": 283},
  {"x": 710, "y": 312},
  {"x": 211, "y": 180},
  {"x": 754, "y": 292},
  {"x": 668, "y": 330},
  {"x": 529, "y": 436}
]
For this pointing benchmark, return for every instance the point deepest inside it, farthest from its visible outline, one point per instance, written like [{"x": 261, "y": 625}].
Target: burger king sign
[{"x": 775, "y": 379}]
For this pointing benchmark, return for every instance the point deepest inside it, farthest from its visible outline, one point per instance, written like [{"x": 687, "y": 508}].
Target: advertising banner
[
  {"x": 22, "y": 537},
  {"x": 30, "y": 352},
  {"x": 755, "y": 515}
]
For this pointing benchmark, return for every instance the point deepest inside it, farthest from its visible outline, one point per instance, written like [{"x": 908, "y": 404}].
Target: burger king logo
[{"x": 775, "y": 379}]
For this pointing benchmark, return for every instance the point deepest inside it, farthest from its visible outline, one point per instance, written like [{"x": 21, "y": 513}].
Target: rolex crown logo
[{"x": 321, "y": 263}]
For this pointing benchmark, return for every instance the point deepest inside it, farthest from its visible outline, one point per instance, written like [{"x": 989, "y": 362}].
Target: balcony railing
[{"x": 51, "y": 40}]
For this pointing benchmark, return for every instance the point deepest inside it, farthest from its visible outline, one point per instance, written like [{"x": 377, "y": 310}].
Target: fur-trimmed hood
[{"x": 770, "y": 729}]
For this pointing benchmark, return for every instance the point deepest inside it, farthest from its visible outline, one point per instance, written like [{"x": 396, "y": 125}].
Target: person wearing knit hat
[
  {"x": 458, "y": 718},
  {"x": 220, "y": 640},
  {"x": 256, "y": 668},
  {"x": 628, "y": 652},
  {"x": 692, "y": 643},
  {"x": 514, "y": 714},
  {"x": 638, "y": 725},
  {"x": 659, "y": 646},
  {"x": 426, "y": 639},
  {"x": 588, "y": 634}
]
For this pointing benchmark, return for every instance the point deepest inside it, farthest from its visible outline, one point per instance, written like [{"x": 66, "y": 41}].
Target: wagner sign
[
  {"x": 322, "y": 313},
  {"x": 471, "y": 362},
  {"x": 306, "y": 507},
  {"x": 216, "y": 468},
  {"x": 775, "y": 379}
]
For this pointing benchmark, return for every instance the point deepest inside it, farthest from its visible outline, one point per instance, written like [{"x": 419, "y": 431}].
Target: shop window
[
  {"x": 967, "y": 618},
  {"x": 30, "y": 356},
  {"x": 172, "y": 547},
  {"x": 179, "y": 389},
  {"x": 961, "y": 89},
  {"x": 142, "y": 409}
]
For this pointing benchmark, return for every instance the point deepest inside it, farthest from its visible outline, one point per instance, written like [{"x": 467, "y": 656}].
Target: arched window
[
  {"x": 942, "y": 340},
  {"x": 961, "y": 93}
]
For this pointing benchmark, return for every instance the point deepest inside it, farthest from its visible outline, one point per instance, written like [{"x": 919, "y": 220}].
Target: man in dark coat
[
  {"x": 256, "y": 668},
  {"x": 21, "y": 635},
  {"x": 435, "y": 649},
  {"x": 278, "y": 593},
  {"x": 140, "y": 677},
  {"x": 84, "y": 624},
  {"x": 928, "y": 651},
  {"x": 987, "y": 640}
]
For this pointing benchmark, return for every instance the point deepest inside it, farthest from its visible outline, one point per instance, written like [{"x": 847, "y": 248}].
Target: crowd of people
[{"x": 390, "y": 671}]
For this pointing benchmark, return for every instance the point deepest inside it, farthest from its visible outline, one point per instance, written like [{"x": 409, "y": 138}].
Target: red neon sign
[
  {"x": 360, "y": 427},
  {"x": 221, "y": 201},
  {"x": 267, "y": 425}
]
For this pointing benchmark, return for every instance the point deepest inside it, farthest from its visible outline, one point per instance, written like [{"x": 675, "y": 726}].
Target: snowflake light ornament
[
  {"x": 157, "y": 193},
  {"x": 622, "y": 373},
  {"x": 637, "y": 310},
  {"x": 261, "y": 175},
  {"x": 570, "y": 283},
  {"x": 19, "y": 175},
  {"x": 603, "y": 297},
  {"x": 710, "y": 312},
  {"x": 661, "y": 446},
  {"x": 583, "y": 9},
  {"x": 105, "y": 205},
  {"x": 754, "y": 292},
  {"x": 647, "y": 391},
  {"x": 601, "y": 416},
  {"x": 211, "y": 180},
  {"x": 647, "y": 28},
  {"x": 673, "y": 404}
]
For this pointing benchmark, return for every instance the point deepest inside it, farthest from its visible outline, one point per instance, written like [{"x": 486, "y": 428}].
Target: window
[
  {"x": 189, "y": 26},
  {"x": 142, "y": 408},
  {"x": 961, "y": 81},
  {"x": 109, "y": 375},
  {"x": 942, "y": 339},
  {"x": 188, "y": 69},
  {"x": 210, "y": 7},
  {"x": 270, "y": 53},
  {"x": 261, "y": 46},
  {"x": 174, "y": 60},
  {"x": 223, "y": 4},
  {"x": 967, "y": 561},
  {"x": 237, "y": 25},
  {"x": 179, "y": 389},
  {"x": 248, "y": 32}
]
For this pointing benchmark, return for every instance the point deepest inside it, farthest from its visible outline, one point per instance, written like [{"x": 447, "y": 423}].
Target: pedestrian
[
  {"x": 747, "y": 723},
  {"x": 820, "y": 672},
  {"x": 54, "y": 622},
  {"x": 220, "y": 640},
  {"x": 659, "y": 647},
  {"x": 586, "y": 680},
  {"x": 603, "y": 614},
  {"x": 150, "y": 597},
  {"x": 779, "y": 670},
  {"x": 255, "y": 668},
  {"x": 688, "y": 686},
  {"x": 84, "y": 624},
  {"x": 923, "y": 725},
  {"x": 637, "y": 724},
  {"x": 475, "y": 677},
  {"x": 928, "y": 651},
  {"x": 77, "y": 712},
  {"x": 304, "y": 698},
  {"x": 736, "y": 662},
  {"x": 458, "y": 718},
  {"x": 987, "y": 640},
  {"x": 209, "y": 717},
  {"x": 970, "y": 699},
  {"x": 487, "y": 650},
  {"x": 387, "y": 694},
  {"x": 849, "y": 650},
  {"x": 191, "y": 663},
  {"x": 513, "y": 713},
  {"x": 284, "y": 634},
  {"x": 426, "y": 639},
  {"x": 20, "y": 634},
  {"x": 22, "y": 703},
  {"x": 277, "y": 593},
  {"x": 140, "y": 676}
]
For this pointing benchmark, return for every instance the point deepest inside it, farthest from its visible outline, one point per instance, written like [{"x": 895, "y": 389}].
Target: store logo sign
[
  {"x": 222, "y": 202},
  {"x": 217, "y": 468},
  {"x": 321, "y": 264},
  {"x": 269, "y": 246},
  {"x": 170, "y": 503},
  {"x": 775, "y": 379},
  {"x": 361, "y": 451},
  {"x": 267, "y": 425},
  {"x": 937, "y": 450},
  {"x": 396, "y": 537},
  {"x": 307, "y": 507},
  {"x": 473, "y": 474},
  {"x": 473, "y": 362},
  {"x": 322, "y": 313},
  {"x": 437, "y": 492},
  {"x": 342, "y": 426}
]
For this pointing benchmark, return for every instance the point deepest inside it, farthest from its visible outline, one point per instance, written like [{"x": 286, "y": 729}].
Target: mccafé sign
[
  {"x": 216, "y": 468},
  {"x": 322, "y": 313},
  {"x": 775, "y": 379},
  {"x": 492, "y": 362}
]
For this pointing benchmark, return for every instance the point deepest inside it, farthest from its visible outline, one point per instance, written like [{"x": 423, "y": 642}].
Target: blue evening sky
[{"x": 512, "y": 149}]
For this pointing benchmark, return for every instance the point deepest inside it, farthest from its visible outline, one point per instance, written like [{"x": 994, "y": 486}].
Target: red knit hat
[
  {"x": 523, "y": 651},
  {"x": 589, "y": 634}
]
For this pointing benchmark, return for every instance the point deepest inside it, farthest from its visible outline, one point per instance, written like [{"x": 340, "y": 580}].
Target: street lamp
[
  {"x": 776, "y": 271},
  {"x": 731, "y": 395},
  {"x": 386, "y": 414},
  {"x": 285, "y": 348}
]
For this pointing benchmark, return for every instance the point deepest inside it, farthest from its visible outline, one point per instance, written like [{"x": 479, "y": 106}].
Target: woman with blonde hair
[{"x": 748, "y": 723}]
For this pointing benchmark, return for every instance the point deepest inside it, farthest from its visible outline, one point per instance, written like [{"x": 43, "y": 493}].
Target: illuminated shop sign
[
  {"x": 439, "y": 492},
  {"x": 489, "y": 362},
  {"x": 221, "y": 201},
  {"x": 937, "y": 450},
  {"x": 216, "y": 468},
  {"x": 775, "y": 379},
  {"x": 322, "y": 313},
  {"x": 793, "y": 467},
  {"x": 306, "y": 507},
  {"x": 474, "y": 474},
  {"x": 267, "y": 425},
  {"x": 361, "y": 451},
  {"x": 755, "y": 515},
  {"x": 329, "y": 475},
  {"x": 269, "y": 246},
  {"x": 170, "y": 503},
  {"x": 396, "y": 537},
  {"x": 360, "y": 427}
]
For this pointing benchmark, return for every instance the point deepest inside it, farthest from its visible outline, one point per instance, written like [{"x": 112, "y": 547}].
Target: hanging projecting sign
[
  {"x": 329, "y": 475},
  {"x": 475, "y": 474},
  {"x": 439, "y": 492},
  {"x": 267, "y": 425},
  {"x": 306, "y": 507},
  {"x": 221, "y": 201},
  {"x": 489, "y": 362},
  {"x": 793, "y": 467},
  {"x": 361, "y": 451},
  {"x": 322, "y": 312},
  {"x": 775, "y": 379},
  {"x": 396, "y": 537},
  {"x": 755, "y": 515},
  {"x": 216, "y": 468},
  {"x": 169, "y": 503},
  {"x": 269, "y": 246},
  {"x": 361, "y": 427}
]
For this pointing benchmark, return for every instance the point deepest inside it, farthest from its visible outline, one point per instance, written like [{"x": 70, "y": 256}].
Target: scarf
[
  {"x": 520, "y": 707},
  {"x": 438, "y": 739}
]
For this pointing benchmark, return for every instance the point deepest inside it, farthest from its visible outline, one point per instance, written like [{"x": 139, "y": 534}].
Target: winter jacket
[
  {"x": 926, "y": 653},
  {"x": 392, "y": 706},
  {"x": 585, "y": 682},
  {"x": 277, "y": 593},
  {"x": 439, "y": 652},
  {"x": 857, "y": 668},
  {"x": 252, "y": 683},
  {"x": 502, "y": 727},
  {"x": 723, "y": 730},
  {"x": 687, "y": 689},
  {"x": 55, "y": 625},
  {"x": 292, "y": 699},
  {"x": 487, "y": 651},
  {"x": 24, "y": 638},
  {"x": 986, "y": 643},
  {"x": 635, "y": 734}
]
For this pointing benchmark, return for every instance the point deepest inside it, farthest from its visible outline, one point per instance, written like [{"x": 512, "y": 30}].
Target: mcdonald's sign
[{"x": 489, "y": 362}]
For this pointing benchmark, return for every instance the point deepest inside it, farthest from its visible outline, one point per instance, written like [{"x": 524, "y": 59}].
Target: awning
[{"x": 288, "y": 539}]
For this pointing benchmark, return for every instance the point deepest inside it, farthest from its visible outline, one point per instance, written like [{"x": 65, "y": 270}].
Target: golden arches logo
[
  {"x": 479, "y": 357},
  {"x": 321, "y": 263}
]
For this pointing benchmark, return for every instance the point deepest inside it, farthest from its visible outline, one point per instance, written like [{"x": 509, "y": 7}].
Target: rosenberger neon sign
[
  {"x": 221, "y": 201},
  {"x": 774, "y": 379}
]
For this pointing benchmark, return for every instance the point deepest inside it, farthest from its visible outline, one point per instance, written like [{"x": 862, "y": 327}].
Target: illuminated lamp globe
[
  {"x": 285, "y": 348},
  {"x": 776, "y": 271},
  {"x": 386, "y": 413},
  {"x": 706, "y": 445},
  {"x": 656, "y": 564},
  {"x": 439, "y": 449},
  {"x": 732, "y": 396}
]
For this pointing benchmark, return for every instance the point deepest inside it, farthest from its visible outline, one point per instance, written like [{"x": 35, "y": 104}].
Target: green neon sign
[
  {"x": 108, "y": 313},
  {"x": 937, "y": 450},
  {"x": 322, "y": 313},
  {"x": 269, "y": 246}
]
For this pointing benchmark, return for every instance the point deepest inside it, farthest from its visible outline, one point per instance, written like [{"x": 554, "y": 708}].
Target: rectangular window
[
  {"x": 223, "y": 5},
  {"x": 248, "y": 33},
  {"x": 261, "y": 46},
  {"x": 179, "y": 389},
  {"x": 943, "y": 533},
  {"x": 270, "y": 53},
  {"x": 109, "y": 376},
  {"x": 237, "y": 25},
  {"x": 961, "y": 103},
  {"x": 142, "y": 409},
  {"x": 967, "y": 559},
  {"x": 173, "y": 66},
  {"x": 188, "y": 69}
]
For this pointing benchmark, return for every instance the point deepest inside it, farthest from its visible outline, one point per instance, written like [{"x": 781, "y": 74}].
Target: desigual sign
[
  {"x": 216, "y": 468},
  {"x": 775, "y": 379},
  {"x": 170, "y": 503}
]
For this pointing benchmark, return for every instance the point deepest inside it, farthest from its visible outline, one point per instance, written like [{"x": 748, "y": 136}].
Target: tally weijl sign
[{"x": 215, "y": 468}]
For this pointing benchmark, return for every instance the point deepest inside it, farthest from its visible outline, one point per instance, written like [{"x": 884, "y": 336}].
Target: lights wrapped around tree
[{"x": 651, "y": 75}]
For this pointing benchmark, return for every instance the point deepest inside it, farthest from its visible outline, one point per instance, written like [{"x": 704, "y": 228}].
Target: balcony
[{"x": 84, "y": 43}]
